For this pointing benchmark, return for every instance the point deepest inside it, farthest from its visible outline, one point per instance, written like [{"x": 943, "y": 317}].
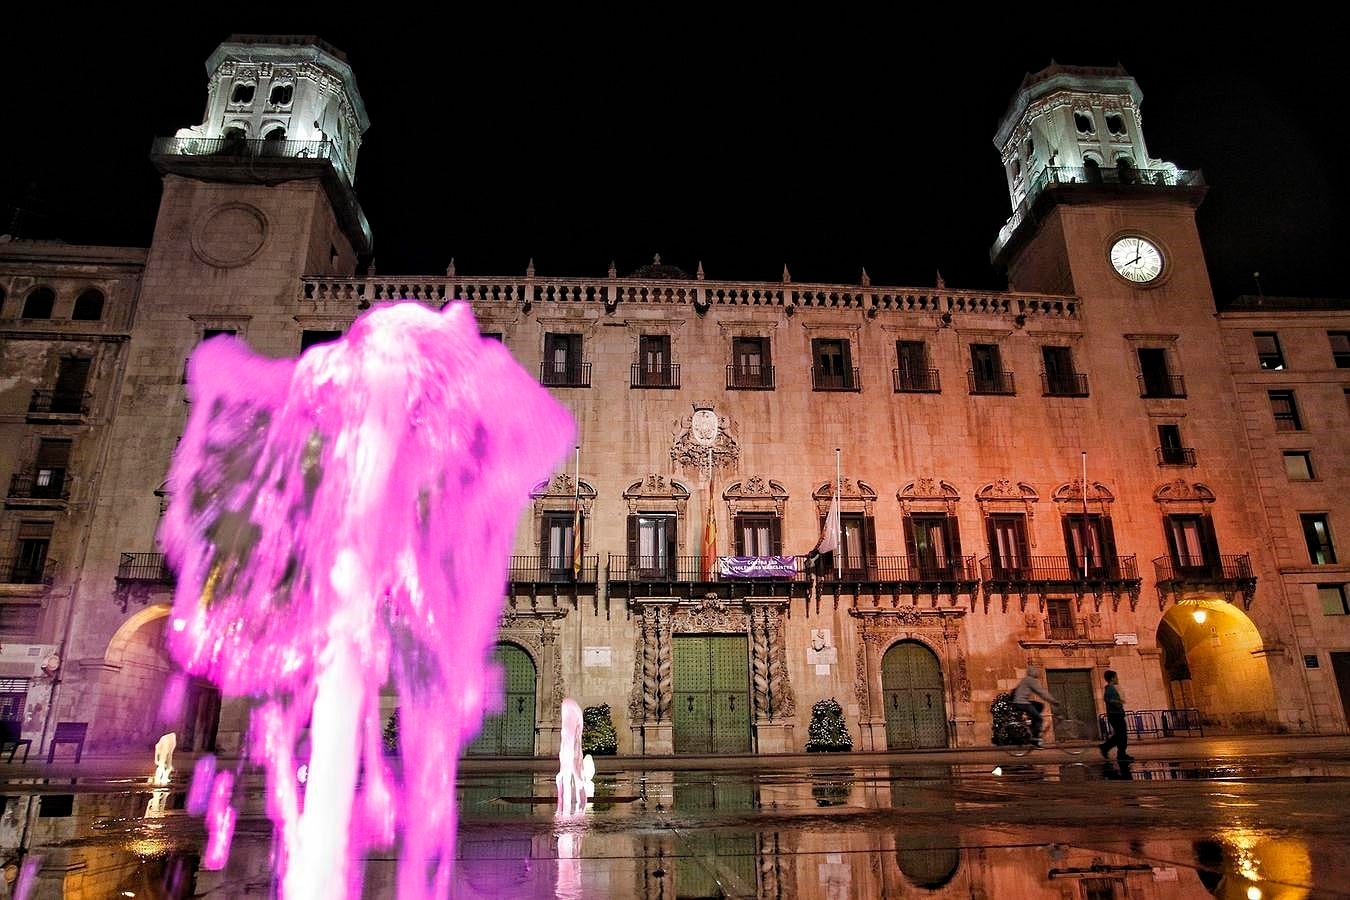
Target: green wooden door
[
  {"x": 1075, "y": 719},
  {"x": 911, "y": 686},
  {"x": 512, "y": 732},
  {"x": 711, "y": 709}
]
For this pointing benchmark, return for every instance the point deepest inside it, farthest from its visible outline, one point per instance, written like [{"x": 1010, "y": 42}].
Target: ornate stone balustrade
[{"x": 335, "y": 293}]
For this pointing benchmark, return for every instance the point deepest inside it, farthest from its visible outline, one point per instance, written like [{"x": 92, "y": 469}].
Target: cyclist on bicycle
[{"x": 1023, "y": 700}]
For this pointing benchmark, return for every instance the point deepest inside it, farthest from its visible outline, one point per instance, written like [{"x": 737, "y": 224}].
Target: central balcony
[
  {"x": 823, "y": 379},
  {"x": 1228, "y": 574},
  {"x": 1040, "y": 575},
  {"x": 991, "y": 382},
  {"x": 749, "y": 378},
  {"x": 644, "y": 376},
  {"x": 916, "y": 381}
]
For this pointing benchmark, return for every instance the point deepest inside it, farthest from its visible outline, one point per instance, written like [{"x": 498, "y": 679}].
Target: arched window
[
  {"x": 242, "y": 93},
  {"x": 1082, "y": 121},
  {"x": 39, "y": 303},
  {"x": 1092, "y": 172},
  {"x": 88, "y": 306},
  {"x": 281, "y": 94}
]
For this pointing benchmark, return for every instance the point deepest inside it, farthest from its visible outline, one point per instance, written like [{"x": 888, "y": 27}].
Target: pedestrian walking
[{"x": 1115, "y": 719}]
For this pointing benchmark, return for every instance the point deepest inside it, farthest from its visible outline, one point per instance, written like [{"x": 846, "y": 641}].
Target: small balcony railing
[
  {"x": 1064, "y": 384},
  {"x": 553, "y": 375},
  {"x": 144, "y": 567},
  {"x": 60, "y": 404},
  {"x": 900, "y": 569},
  {"x": 991, "y": 382},
  {"x": 54, "y": 486},
  {"x": 916, "y": 381},
  {"x": 655, "y": 376},
  {"x": 846, "y": 380},
  {"x": 1065, "y": 631},
  {"x": 684, "y": 569},
  {"x": 1061, "y": 569},
  {"x": 749, "y": 378},
  {"x": 553, "y": 570},
  {"x": 15, "y": 570},
  {"x": 1176, "y": 456},
  {"x": 1162, "y": 386},
  {"x": 1226, "y": 568}
]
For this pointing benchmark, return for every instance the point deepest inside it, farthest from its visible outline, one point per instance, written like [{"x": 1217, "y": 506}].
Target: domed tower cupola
[
  {"x": 296, "y": 93},
  {"x": 1070, "y": 126}
]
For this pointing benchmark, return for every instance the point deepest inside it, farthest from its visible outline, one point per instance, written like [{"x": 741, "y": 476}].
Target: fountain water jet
[{"x": 337, "y": 521}]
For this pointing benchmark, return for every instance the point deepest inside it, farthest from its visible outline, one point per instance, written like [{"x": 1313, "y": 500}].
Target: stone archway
[{"x": 1213, "y": 659}]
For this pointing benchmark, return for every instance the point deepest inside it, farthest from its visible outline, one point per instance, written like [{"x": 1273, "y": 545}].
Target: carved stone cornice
[
  {"x": 859, "y": 493},
  {"x": 756, "y": 493}
]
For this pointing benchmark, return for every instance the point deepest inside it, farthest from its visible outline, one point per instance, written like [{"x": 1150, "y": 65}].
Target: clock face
[{"x": 1137, "y": 259}]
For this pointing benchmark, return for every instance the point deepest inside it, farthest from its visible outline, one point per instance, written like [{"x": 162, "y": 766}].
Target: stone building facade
[{"x": 1049, "y": 475}]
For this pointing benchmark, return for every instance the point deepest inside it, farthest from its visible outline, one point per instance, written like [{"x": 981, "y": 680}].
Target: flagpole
[
  {"x": 838, "y": 527},
  {"x": 1084, "y": 534},
  {"x": 576, "y": 522}
]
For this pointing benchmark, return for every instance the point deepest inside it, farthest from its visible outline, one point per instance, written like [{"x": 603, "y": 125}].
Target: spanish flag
[
  {"x": 576, "y": 543},
  {"x": 710, "y": 537}
]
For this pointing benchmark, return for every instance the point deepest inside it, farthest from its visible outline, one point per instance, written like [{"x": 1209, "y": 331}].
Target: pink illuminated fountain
[{"x": 340, "y": 521}]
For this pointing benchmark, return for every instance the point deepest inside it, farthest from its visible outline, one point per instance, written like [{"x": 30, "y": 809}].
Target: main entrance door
[
  {"x": 512, "y": 732},
  {"x": 711, "y": 712},
  {"x": 911, "y": 684},
  {"x": 1076, "y": 715}
]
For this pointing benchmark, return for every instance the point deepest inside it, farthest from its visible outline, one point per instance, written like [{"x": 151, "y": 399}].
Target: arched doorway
[
  {"x": 911, "y": 687},
  {"x": 1211, "y": 661},
  {"x": 511, "y": 733}
]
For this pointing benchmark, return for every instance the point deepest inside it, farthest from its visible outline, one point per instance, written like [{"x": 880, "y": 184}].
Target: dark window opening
[
  {"x": 1090, "y": 541},
  {"x": 1092, "y": 172},
  {"x": 1285, "y": 411},
  {"x": 651, "y": 545},
  {"x": 1115, "y": 123},
  {"x": 1317, "y": 535},
  {"x": 1298, "y": 465},
  {"x": 72, "y": 379},
  {"x": 758, "y": 534},
  {"x": 833, "y": 368},
  {"x": 750, "y": 364},
  {"x": 1060, "y": 378},
  {"x": 1009, "y": 551},
  {"x": 243, "y": 92},
  {"x": 88, "y": 306},
  {"x": 492, "y": 336},
  {"x": 653, "y": 367},
  {"x": 30, "y": 560},
  {"x": 1333, "y": 599},
  {"x": 39, "y": 304},
  {"x": 1155, "y": 374},
  {"x": 1083, "y": 122},
  {"x": 1268, "y": 353},
  {"x": 933, "y": 542},
  {"x": 281, "y": 94},
  {"x": 1059, "y": 620},
  {"x": 556, "y": 544},
  {"x": 1170, "y": 449},
  {"x": 1340, "y": 348},
  {"x": 1192, "y": 546},
  {"x": 562, "y": 361},
  {"x": 986, "y": 371},
  {"x": 310, "y": 337},
  {"x": 912, "y": 373}
]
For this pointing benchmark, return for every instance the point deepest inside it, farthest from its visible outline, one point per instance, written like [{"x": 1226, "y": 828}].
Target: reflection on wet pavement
[{"x": 1260, "y": 830}]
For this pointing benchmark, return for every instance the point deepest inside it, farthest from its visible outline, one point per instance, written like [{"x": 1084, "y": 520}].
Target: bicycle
[{"x": 1025, "y": 744}]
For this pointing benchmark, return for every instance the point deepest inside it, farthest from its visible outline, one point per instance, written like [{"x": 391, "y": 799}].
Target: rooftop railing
[{"x": 231, "y": 148}]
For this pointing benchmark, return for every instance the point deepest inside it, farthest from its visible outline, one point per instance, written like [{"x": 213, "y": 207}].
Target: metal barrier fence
[{"x": 1144, "y": 723}]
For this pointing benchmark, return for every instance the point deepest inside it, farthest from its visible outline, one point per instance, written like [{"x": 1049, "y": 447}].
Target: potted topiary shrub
[
  {"x": 1009, "y": 726},
  {"x": 827, "y": 731}
]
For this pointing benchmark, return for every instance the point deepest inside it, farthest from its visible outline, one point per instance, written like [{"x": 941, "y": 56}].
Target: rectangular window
[
  {"x": 1268, "y": 353},
  {"x": 1170, "y": 450},
  {"x": 651, "y": 545},
  {"x": 1009, "y": 552},
  {"x": 750, "y": 365},
  {"x": 492, "y": 336},
  {"x": 555, "y": 545},
  {"x": 758, "y": 534},
  {"x": 653, "y": 367},
  {"x": 562, "y": 361},
  {"x": 1317, "y": 535},
  {"x": 30, "y": 560},
  {"x": 1285, "y": 411},
  {"x": 1333, "y": 597},
  {"x": 49, "y": 469},
  {"x": 832, "y": 369},
  {"x": 1192, "y": 545},
  {"x": 934, "y": 546},
  {"x": 1091, "y": 545},
  {"x": 986, "y": 371},
  {"x": 72, "y": 379},
  {"x": 1060, "y": 378},
  {"x": 1340, "y": 348},
  {"x": 1155, "y": 376},
  {"x": 912, "y": 373},
  {"x": 1298, "y": 465},
  {"x": 858, "y": 543},
  {"x": 1059, "y": 620},
  {"x": 309, "y": 337},
  {"x": 19, "y": 620}
]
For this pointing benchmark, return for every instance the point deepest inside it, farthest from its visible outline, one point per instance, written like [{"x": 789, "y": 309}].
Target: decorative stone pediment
[
  {"x": 1004, "y": 489},
  {"x": 928, "y": 494},
  {"x": 1180, "y": 491},
  {"x": 859, "y": 493},
  {"x": 756, "y": 494},
  {"x": 1072, "y": 492},
  {"x": 561, "y": 492},
  {"x": 655, "y": 493}
]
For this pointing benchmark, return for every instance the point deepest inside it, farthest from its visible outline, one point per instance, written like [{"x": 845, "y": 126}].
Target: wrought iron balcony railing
[
  {"x": 991, "y": 382},
  {"x": 1061, "y": 631},
  {"x": 655, "y": 376},
  {"x": 1062, "y": 569},
  {"x": 144, "y": 567},
  {"x": 846, "y": 380},
  {"x": 1064, "y": 384},
  {"x": 554, "y": 375},
  {"x": 916, "y": 381},
  {"x": 749, "y": 378},
  {"x": 683, "y": 569},
  {"x": 63, "y": 403},
  {"x": 901, "y": 569},
  {"x": 1162, "y": 386},
  {"x": 553, "y": 570},
  {"x": 16, "y": 570},
  {"x": 242, "y": 148},
  {"x": 1236, "y": 567},
  {"x": 52, "y": 486},
  {"x": 1176, "y": 456}
]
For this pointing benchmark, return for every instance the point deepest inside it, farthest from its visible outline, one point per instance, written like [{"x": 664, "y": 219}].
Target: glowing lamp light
[
  {"x": 1253, "y": 893},
  {"x": 1199, "y": 616}
]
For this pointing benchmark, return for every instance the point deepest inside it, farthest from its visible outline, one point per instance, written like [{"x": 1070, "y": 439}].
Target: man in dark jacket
[
  {"x": 1115, "y": 717},
  {"x": 1023, "y": 700}
]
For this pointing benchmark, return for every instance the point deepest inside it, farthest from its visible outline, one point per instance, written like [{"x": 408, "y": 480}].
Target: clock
[{"x": 1137, "y": 259}]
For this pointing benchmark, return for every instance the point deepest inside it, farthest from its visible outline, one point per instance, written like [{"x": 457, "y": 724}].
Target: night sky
[{"x": 829, "y": 145}]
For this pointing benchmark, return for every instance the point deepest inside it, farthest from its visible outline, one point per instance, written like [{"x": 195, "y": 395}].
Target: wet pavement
[{"x": 1253, "y": 818}]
